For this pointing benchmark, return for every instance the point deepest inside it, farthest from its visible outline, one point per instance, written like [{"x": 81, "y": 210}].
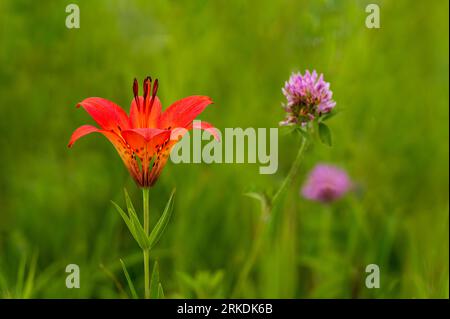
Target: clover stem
[
  {"x": 293, "y": 171},
  {"x": 145, "y": 195}
]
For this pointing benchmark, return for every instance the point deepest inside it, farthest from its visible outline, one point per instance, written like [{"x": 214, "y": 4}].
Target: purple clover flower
[
  {"x": 326, "y": 183},
  {"x": 308, "y": 96}
]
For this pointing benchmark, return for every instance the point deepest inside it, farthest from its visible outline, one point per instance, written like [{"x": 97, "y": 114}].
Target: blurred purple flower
[
  {"x": 308, "y": 96},
  {"x": 326, "y": 183}
]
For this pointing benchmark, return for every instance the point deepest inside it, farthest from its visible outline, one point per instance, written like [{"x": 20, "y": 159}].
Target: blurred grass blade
[
  {"x": 154, "y": 282},
  {"x": 3, "y": 286},
  {"x": 160, "y": 292},
  {"x": 255, "y": 195},
  {"x": 29, "y": 283},
  {"x": 262, "y": 198},
  {"x": 162, "y": 222},
  {"x": 134, "y": 295},
  {"x": 187, "y": 280},
  {"x": 114, "y": 279},
  {"x": 21, "y": 276}
]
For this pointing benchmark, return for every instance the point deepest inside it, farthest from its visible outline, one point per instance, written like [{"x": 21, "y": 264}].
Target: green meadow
[{"x": 391, "y": 135}]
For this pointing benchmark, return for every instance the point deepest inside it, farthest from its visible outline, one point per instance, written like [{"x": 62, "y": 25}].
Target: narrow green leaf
[
  {"x": 162, "y": 222},
  {"x": 255, "y": 195},
  {"x": 325, "y": 134},
  {"x": 139, "y": 230},
  {"x": 141, "y": 236},
  {"x": 261, "y": 197},
  {"x": 130, "y": 207},
  {"x": 130, "y": 283},
  {"x": 160, "y": 292},
  {"x": 154, "y": 282},
  {"x": 127, "y": 221}
]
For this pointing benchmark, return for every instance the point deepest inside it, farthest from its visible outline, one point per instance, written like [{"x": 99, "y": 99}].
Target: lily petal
[
  {"x": 124, "y": 151},
  {"x": 184, "y": 111},
  {"x": 150, "y": 145},
  {"x": 206, "y": 127},
  {"x": 150, "y": 117},
  {"x": 80, "y": 132},
  {"x": 107, "y": 114},
  {"x": 147, "y": 139}
]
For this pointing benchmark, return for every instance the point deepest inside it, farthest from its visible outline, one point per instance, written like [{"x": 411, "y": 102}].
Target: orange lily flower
[{"x": 145, "y": 138}]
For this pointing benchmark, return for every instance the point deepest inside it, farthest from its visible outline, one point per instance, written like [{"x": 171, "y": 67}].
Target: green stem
[
  {"x": 147, "y": 273},
  {"x": 293, "y": 171},
  {"x": 145, "y": 197}
]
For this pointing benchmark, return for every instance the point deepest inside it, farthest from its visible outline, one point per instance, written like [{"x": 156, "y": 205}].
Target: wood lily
[{"x": 145, "y": 137}]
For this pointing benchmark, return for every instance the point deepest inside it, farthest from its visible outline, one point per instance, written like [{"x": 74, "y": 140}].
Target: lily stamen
[
  {"x": 136, "y": 92},
  {"x": 147, "y": 85}
]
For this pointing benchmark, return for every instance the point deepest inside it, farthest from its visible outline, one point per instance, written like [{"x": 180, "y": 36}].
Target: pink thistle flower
[
  {"x": 308, "y": 96},
  {"x": 326, "y": 183}
]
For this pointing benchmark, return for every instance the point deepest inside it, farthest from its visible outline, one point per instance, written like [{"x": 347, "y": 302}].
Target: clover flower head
[
  {"x": 308, "y": 96},
  {"x": 326, "y": 183}
]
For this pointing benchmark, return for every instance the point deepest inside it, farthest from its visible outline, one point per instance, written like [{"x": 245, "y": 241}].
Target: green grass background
[{"x": 392, "y": 136}]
